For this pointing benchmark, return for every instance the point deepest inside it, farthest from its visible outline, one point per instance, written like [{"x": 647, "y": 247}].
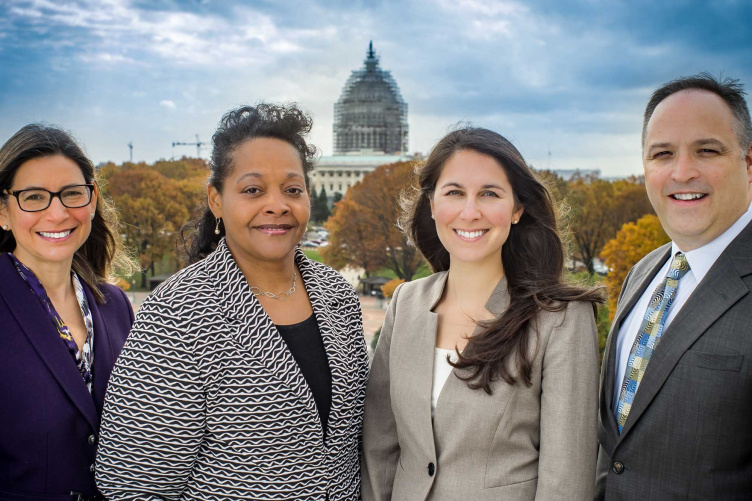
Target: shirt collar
[{"x": 700, "y": 260}]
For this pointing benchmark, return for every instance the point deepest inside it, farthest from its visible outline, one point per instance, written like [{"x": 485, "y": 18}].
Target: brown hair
[
  {"x": 102, "y": 254},
  {"x": 533, "y": 258}
]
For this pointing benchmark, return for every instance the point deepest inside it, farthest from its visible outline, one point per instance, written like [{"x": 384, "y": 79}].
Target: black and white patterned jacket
[{"x": 206, "y": 401}]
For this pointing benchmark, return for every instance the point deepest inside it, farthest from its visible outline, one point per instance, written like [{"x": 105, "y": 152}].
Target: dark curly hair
[
  {"x": 533, "y": 258},
  {"x": 287, "y": 123},
  {"x": 97, "y": 260}
]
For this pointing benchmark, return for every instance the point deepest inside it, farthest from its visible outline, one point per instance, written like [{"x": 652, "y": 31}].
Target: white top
[
  {"x": 700, "y": 260},
  {"x": 441, "y": 371}
]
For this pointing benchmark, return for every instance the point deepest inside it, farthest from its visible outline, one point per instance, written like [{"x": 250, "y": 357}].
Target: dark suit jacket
[
  {"x": 49, "y": 423},
  {"x": 688, "y": 435}
]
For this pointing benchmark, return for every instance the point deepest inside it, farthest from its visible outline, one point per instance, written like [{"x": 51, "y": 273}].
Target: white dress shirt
[
  {"x": 700, "y": 260},
  {"x": 441, "y": 371}
]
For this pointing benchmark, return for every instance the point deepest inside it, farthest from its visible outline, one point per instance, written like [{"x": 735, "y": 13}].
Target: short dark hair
[
  {"x": 284, "y": 122},
  {"x": 102, "y": 254},
  {"x": 533, "y": 256},
  {"x": 728, "y": 89}
]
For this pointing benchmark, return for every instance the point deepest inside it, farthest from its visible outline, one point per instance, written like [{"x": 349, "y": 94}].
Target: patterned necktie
[{"x": 650, "y": 333}]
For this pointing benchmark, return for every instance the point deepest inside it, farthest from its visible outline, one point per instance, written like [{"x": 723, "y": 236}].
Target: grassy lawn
[{"x": 312, "y": 254}]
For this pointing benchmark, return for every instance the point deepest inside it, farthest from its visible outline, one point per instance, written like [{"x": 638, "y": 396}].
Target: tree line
[{"x": 600, "y": 218}]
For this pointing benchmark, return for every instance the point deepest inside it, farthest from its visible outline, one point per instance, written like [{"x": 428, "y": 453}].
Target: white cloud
[
  {"x": 167, "y": 104},
  {"x": 249, "y": 37}
]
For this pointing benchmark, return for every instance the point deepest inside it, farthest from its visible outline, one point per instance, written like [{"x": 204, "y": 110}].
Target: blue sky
[{"x": 566, "y": 77}]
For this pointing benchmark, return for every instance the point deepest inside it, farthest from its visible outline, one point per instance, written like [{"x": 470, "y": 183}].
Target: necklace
[{"x": 282, "y": 295}]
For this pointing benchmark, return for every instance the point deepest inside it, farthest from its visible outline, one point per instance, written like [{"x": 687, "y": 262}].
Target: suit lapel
[
  {"x": 336, "y": 328},
  {"x": 104, "y": 358},
  {"x": 721, "y": 288},
  {"x": 420, "y": 344},
  {"x": 34, "y": 322},
  {"x": 253, "y": 329},
  {"x": 633, "y": 290},
  {"x": 456, "y": 383}
]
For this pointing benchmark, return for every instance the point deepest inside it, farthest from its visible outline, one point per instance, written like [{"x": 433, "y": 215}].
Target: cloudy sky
[{"x": 566, "y": 81}]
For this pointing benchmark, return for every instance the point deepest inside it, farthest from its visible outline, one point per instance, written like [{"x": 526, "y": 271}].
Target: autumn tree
[
  {"x": 154, "y": 201},
  {"x": 388, "y": 288},
  {"x": 600, "y": 208},
  {"x": 370, "y": 209},
  {"x": 632, "y": 242},
  {"x": 352, "y": 240}
]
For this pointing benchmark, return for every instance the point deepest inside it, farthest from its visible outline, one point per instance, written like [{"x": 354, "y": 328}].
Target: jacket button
[
  {"x": 91, "y": 468},
  {"x": 431, "y": 469},
  {"x": 92, "y": 439},
  {"x": 618, "y": 467}
]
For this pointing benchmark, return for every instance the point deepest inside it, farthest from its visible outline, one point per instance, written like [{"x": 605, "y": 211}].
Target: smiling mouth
[
  {"x": 274, "y": 229},
  {"x": 470, "y": 234},
  {"x": 688, "y": 196},
  {"x": 55, "y": 234}
]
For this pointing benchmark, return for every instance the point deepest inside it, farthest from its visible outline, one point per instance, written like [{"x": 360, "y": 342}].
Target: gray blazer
[
  {"x": 688, "y": 435},
  {"x": 521, "y": 443}
]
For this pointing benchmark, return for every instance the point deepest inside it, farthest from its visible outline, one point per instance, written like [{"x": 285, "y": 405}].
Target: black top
[{"x": 307, "y": 348}]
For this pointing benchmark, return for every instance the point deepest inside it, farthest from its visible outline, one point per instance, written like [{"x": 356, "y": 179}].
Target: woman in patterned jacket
[{"x": 244, "y": 375}]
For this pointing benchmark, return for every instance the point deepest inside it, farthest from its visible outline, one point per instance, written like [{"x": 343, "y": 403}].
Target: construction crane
[{"x": 198, "y": 144}]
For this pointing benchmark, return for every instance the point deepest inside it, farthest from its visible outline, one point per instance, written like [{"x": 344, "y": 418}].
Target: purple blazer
[{"x": 49, "y": 423}]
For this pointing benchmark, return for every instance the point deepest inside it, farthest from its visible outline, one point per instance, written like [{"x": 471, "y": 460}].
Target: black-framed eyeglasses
[{"x": 38, "y": 199}]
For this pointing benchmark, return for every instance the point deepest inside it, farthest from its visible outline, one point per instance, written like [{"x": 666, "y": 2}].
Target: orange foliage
[
  {"x": 388, "y": 288},
  {"x": 366, "y": 233},
  {"x": 352, "y": 239},
  {"x": 632, "y": 242},
  {"x": 600, "y": 208},
  {"x": 154, "y": 201}
]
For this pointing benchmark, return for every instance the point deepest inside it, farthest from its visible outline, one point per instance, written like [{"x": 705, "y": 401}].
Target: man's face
[{"x": 698, "y": 177}]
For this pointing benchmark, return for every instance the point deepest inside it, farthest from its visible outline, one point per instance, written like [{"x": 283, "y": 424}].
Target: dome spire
[{"x": 371, "y": 53}]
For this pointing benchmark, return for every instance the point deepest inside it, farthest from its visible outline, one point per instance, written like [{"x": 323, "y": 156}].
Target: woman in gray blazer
[
  {"x": 244, "y": 374},
  {"x": 484, "y": 385}
]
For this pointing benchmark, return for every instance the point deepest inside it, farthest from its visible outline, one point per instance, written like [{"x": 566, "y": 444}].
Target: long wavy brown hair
[{"x": 533, "y": 258}]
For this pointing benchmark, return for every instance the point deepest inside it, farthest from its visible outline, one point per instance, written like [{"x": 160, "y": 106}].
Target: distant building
[
  {"x": 569, "y": 174},
  {"x": 370, "y": 129}
]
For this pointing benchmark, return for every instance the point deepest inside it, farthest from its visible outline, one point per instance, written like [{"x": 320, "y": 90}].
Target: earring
[
  {"x": 216, "y": 228},
  {"x": 432, "y": 217},
  {"x": 93, "y": 215},
  {"x": 514, "y": 222},
  {"x": 5, "y": 227}
]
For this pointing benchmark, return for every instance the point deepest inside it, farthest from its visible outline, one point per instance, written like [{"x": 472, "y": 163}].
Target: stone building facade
[{"x": 370, "y": 128}]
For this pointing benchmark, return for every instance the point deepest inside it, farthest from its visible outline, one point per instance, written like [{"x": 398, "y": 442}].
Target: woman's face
[
  {"x": 52, "y": 235},
  {"x": 474, "y": 208},
  {"x": 264, "y": 203}
]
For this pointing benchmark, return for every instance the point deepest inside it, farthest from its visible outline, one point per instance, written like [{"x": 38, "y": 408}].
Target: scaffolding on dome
[{"x": 370, "y": 115}]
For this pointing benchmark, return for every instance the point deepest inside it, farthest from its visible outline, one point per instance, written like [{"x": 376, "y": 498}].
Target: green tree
[{"x": 320, "y": 206}]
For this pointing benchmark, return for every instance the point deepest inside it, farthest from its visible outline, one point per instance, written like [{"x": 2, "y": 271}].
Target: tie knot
[{"x": 679, "y": 266}]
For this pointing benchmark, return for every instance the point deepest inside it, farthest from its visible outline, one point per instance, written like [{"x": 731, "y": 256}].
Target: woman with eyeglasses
[{"x": 61, "y": 324}]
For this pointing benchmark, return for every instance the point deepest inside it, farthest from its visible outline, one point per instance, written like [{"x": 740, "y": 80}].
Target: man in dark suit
[{"x": 676, "y": 383}]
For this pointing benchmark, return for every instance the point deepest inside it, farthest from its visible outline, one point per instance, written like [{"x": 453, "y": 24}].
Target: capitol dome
[{"x": 370, "y": 116}]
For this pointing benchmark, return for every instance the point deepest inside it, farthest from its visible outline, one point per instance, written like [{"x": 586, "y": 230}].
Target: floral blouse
[{"x": 84, "y": 358}]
